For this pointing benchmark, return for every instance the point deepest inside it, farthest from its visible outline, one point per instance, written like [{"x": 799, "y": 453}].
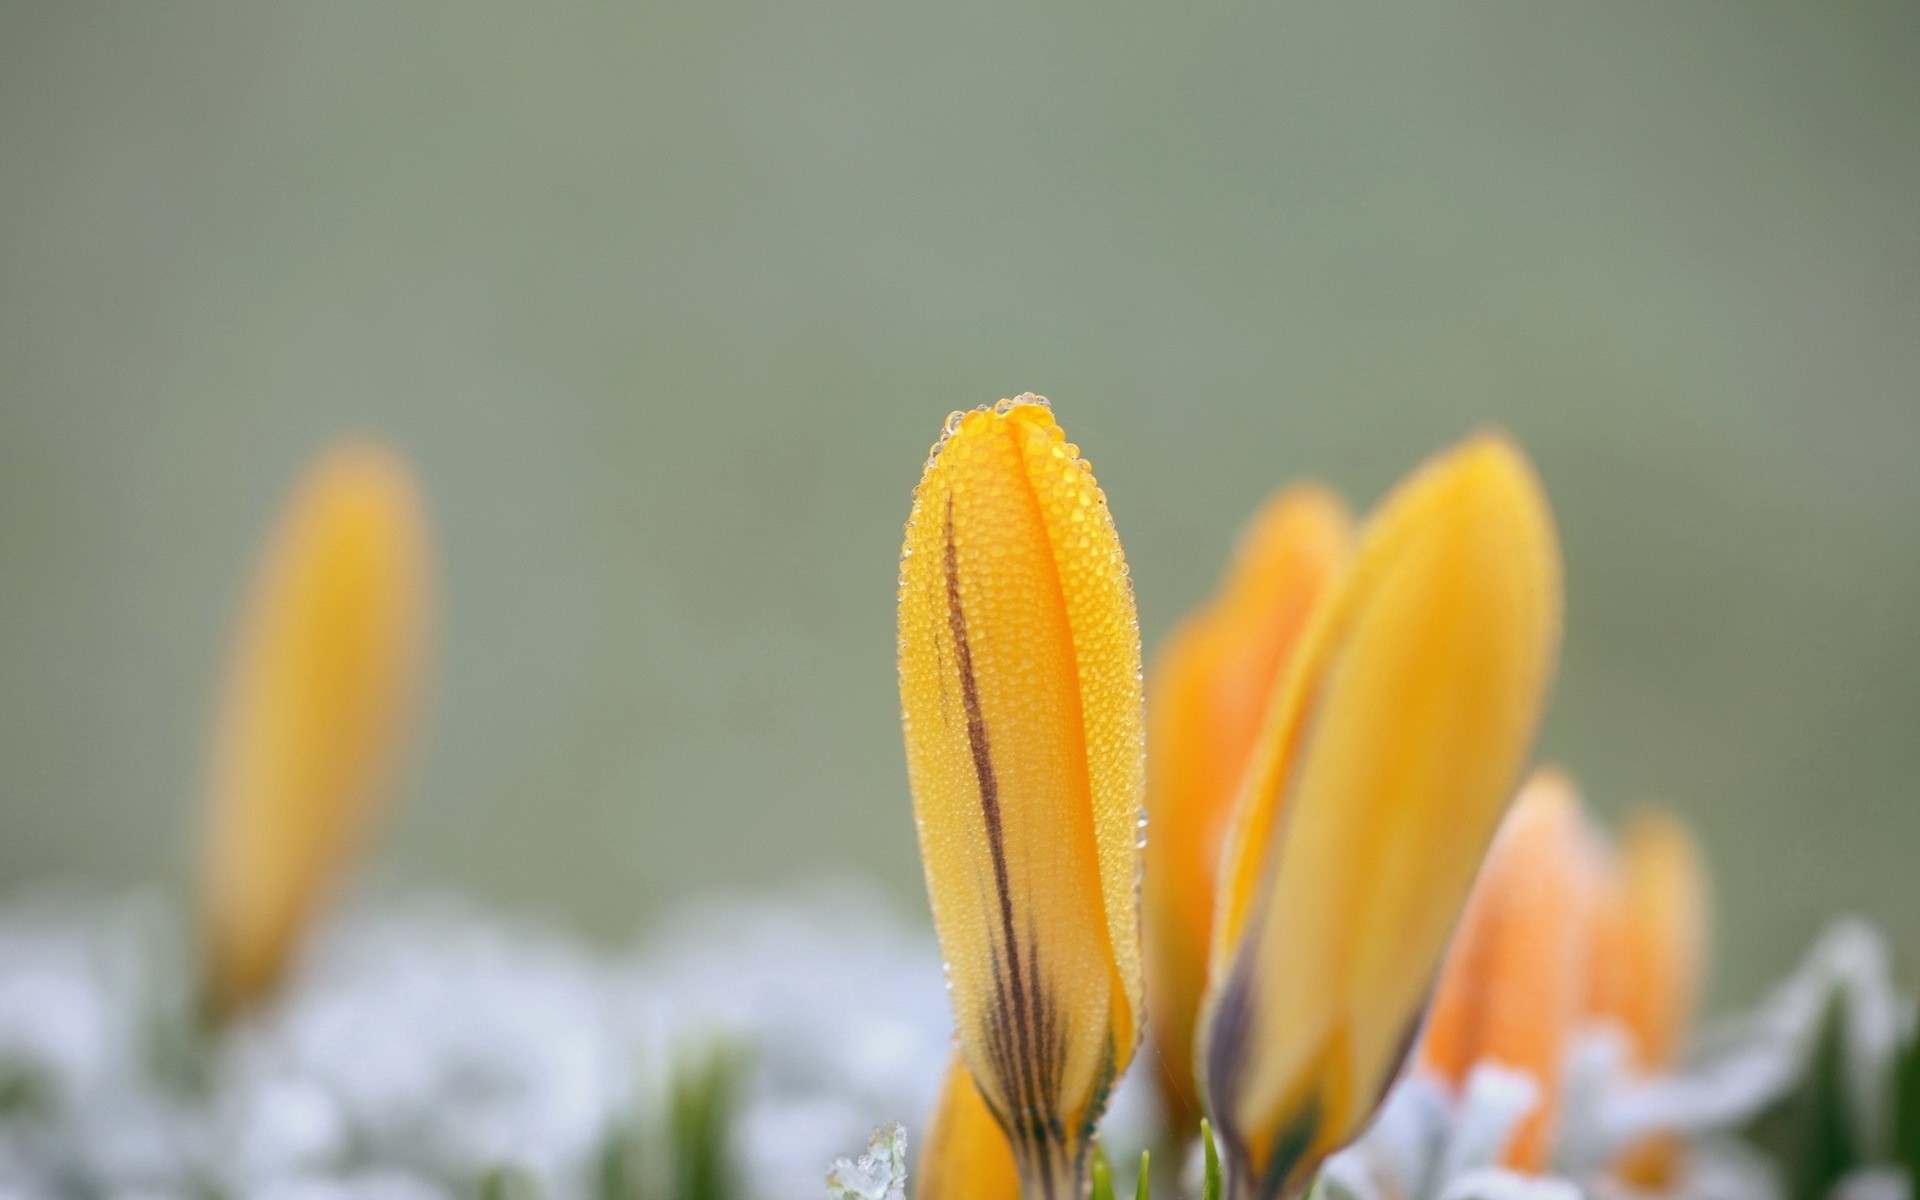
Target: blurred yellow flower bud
[
  {"x": 1650, "y": 941},
  {"x": 1020, "y": 694},
  {"x": 1209, "y": 689},
  {"x": 322, "y": 682},
  {"x": 1390, "y": 756}
]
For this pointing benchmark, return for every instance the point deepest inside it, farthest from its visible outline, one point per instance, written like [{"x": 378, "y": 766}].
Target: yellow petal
[
  {"x": 1392, "y": 751},
  {"x": 1020, "y": 693},
  {"x": 965, "y": 1155},
  {"x": 321, "y": 685},
  {"x": 1663, "y": 929},
  {"x": 1210, "y": 687},
  {"x": 1652, "y": 934},
  {"x": 1513, "y": 980}
]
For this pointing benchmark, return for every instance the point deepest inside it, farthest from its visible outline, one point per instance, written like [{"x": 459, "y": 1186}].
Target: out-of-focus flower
[
  {"x": 965, "y": 1155},
  {"x": 1819, "y": 1076},
  {"x": 1211, "y": 686},
  {"x": 1650, "y": 940},
  {"x": 1532, "y": 1076},
  {"x": 323, "y": 679},
  {"x": 1513, "y": 981},
  {"x": 1393, "y": 749},
  {"x": 1021, "y": 698},
  {"x": 1434, "y": 1140},
  {"x": 1650, "y": 937}
]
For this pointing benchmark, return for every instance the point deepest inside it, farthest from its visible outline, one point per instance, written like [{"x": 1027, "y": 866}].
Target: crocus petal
[
  {"x": 1513, "y": 980},
  {"x": 1393, "y": 750},
  {"x": 322, "y": 682},
  {"x": 1663, "y": 936},
  {"x": 1020, "y": 691},
  {"x": 1653, "y": 927},
  {"x": 1211, "y": 686},
  {"x": 965, "y": 1155}
]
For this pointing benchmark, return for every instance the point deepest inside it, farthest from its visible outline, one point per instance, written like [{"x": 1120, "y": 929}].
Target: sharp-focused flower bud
[
  {"x": 1210, "y": 688},
  {"x": 1020, "y": 693},
  {"x": 1513, "y": 981},
  {"x": 1390, "y": 756},
  {"x": 1650, "y": 942},
  {"x": 322, "y": 683},
  {"x": 965, "y": 1154}
]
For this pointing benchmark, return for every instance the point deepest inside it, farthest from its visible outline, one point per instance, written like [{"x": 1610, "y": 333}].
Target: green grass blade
[
  {"x": 1906, "y": 1110},
  {"x": 1102, "y": 1175},
  {"x": 1212, "y": 1187},
  {"x": 1809, "y": 1131},
  {"x": 509, "y": 1183},
  {"x": 701, "y": 1115}
]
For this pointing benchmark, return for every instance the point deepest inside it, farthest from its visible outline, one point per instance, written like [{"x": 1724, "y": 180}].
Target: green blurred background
[{"x": 668, "y": 304}]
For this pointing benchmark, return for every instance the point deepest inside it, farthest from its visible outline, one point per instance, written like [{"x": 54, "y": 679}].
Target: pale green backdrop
[{"x": 669, "y": 302}]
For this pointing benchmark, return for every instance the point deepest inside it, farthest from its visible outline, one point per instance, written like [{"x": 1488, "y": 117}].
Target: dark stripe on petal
[{"x": 1021, "y": 1008}]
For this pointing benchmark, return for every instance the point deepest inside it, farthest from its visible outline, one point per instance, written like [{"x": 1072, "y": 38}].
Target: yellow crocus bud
[
  {"x": 322, "y": 682},
  {"x": 1390, "y": 756},
  {"x": 965, "y": 1155},
  {"x": 1209, "y": 690},
  {"x": 1650, "y": 941},
  {"x": 1514, "y": 978},
  {"x": 1020, "y": 694}
]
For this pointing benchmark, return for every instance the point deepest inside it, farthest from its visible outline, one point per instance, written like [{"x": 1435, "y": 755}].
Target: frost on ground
[{"x": 428, "y": 1043}]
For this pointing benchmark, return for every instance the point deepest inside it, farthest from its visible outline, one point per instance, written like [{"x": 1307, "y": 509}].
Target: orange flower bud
[
  {"x": 1512, "y": 985},
  {"x": 1650, "y": 941},
  {"x": 1209, "y": 690}
]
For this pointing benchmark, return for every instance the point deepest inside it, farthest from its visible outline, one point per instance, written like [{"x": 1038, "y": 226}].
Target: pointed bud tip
[
  {"x": 964, "y": 426},
  {"x": 1491, "y": 464},
  {"x": 1551, "y": 792}
]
